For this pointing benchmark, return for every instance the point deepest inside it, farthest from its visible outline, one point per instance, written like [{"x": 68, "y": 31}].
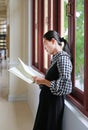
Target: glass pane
[
  {"x": 52, "y": 14},
  {"x": 36, "y": 31},
  {"x": 45, "y": 30},
  {"x": 80, "y": 44},
  {"x": 65, "y": 20}
]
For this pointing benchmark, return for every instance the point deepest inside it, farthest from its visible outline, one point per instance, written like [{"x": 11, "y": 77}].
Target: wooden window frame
[
  {"x": 56, "y": 26},
  {"x": 79, "y": 98}
]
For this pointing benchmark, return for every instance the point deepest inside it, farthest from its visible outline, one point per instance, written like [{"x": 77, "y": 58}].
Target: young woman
[{"x": 56, "y": 84}]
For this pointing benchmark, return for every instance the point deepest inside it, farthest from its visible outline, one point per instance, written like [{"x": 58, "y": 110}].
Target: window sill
[{"x": 79, "y": 115}]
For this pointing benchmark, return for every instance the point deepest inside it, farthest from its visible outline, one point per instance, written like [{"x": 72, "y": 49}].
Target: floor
[{"x": 13, "y": 115}]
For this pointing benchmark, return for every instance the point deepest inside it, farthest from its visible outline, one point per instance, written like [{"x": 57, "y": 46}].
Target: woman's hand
[{"x": 40, "y": 80}]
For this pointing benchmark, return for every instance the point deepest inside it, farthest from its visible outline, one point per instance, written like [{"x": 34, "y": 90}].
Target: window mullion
[
  {"x": 86, "y": 55},
  {"x": 55, "y": 14},
  {"x": 40, "y": 34},
  {"x": 33, "y": 34},
  {"x": 71, "y": 36},
  {"x": 59, "y": 16}
]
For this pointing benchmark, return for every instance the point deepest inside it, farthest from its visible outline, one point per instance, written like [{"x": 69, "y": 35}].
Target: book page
[
  {"x": 16, "y": 72},
  {"x": 27, "y": 70},
  {"x": 24, "y": 72}
]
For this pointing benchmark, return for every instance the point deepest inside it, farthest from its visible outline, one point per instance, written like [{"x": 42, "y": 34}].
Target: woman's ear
[{"x": 53, "y": 41}]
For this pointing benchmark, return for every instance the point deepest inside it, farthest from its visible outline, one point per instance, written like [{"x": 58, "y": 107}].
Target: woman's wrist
[{"x": 47, "y": 83}]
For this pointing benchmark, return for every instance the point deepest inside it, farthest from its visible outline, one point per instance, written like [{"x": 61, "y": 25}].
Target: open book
[{"x": 24, "y": 72}]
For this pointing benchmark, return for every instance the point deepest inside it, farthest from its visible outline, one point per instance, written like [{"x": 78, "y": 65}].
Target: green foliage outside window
[{"x": 79, "y": 40}]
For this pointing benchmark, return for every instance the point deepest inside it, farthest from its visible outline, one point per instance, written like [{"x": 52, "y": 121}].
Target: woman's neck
[{"x": 58, "y": 50}]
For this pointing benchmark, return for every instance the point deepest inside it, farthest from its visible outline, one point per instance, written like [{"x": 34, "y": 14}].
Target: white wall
[
  {"x": 18, "y": 45},
  {"x": 73, "y": 118},
  {"x": 33, "y": 90}
]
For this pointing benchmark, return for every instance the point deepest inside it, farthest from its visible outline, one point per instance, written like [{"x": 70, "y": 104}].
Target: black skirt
[{"x": 50, "y": 111}]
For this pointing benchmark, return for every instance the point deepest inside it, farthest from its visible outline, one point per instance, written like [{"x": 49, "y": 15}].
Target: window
[
  {"x": 65, "y": 20},
  {"x": 79, "y": 75},
  {"x": 45, "y": 17},
  {"x": 45, "y": 30},
  {"x": 48, "y": 14},
  {"x": 77, "y": 37}
]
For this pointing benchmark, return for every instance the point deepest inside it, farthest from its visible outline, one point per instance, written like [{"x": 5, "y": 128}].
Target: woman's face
[{"x": 49, "y": 45}]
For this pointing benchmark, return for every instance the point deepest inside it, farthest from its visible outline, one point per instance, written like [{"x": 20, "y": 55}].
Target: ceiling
[{"x": 3, "y": 8}]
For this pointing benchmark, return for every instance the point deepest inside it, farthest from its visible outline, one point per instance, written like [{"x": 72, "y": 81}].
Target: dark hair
[{"x": 53, "y": 34}]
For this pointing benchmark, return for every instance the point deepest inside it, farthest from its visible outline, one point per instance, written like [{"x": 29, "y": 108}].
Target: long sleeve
[{"x": 63, "y": 85}]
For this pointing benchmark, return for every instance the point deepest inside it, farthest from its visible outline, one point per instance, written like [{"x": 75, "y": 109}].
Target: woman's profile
[{"x": 55, "y": 85}]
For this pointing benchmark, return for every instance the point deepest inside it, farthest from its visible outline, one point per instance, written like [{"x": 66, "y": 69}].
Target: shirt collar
[{"x": 56, "y": 55}]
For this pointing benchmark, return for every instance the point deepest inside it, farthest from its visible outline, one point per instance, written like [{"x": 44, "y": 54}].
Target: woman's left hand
[{"x": 38, "y": 80}]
